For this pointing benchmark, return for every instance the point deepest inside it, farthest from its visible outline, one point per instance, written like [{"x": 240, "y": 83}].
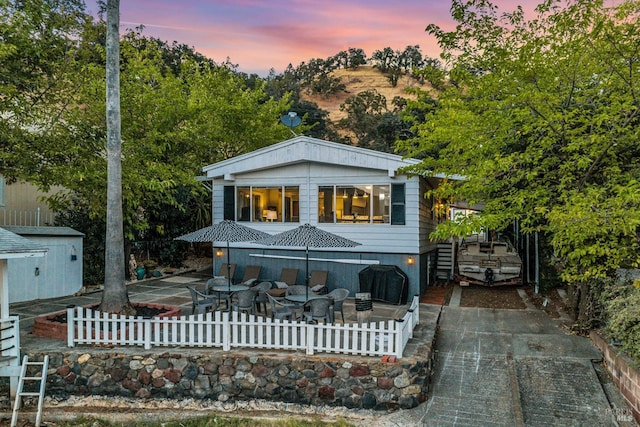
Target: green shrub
[{"x": 622, "y": 308}]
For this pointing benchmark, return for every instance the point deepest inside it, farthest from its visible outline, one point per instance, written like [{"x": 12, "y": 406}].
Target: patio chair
[
  {"x": 339, "y": 296},
  {"x": 289, "y": 276},
  {"x": 261, "y": 295},
  {"x": 201, "y": 303},
  {"x": 296, "y": 290},
  {"x": 251, "y": 274},
  {"x": 281, "y": 310},
  {"x": 318, "y": 281},
  {"x": 244, "y": 301},
  {"x": 224, "y": 271},
  {"x": 219, "y": 282},
  {"x": 318, "y": 309}
]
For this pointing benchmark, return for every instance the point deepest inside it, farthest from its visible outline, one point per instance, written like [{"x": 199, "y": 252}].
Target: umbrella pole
[
  {"x": 228, "y": 267},
  {"x": 306, "y": 277}
]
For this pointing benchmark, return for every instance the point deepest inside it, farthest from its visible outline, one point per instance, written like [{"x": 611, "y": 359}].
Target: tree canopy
[{"x": 540, "y": 118}]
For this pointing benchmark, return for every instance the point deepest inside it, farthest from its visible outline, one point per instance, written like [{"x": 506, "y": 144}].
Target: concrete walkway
[{"x": 512, "y": 368}]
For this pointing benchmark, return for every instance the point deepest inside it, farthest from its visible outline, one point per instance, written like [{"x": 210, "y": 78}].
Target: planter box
[{"x": 53, "y": 325}]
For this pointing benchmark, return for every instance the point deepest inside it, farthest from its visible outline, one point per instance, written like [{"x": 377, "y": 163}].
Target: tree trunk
[{"x": 114, "y": 298}]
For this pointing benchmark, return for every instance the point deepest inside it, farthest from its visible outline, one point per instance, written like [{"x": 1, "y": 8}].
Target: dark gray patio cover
[
  {"x": 307, "y": 236},
  {"x": 224, "y": 231}
]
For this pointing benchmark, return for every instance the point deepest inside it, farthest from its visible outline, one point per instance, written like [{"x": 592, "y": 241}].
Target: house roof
[
  {"x": 14, "y": 246},
  {"x": 42, "y": 231},
  {"x": 307, "y": 149}
]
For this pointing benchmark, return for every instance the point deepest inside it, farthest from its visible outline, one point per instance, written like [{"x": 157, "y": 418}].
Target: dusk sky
[{"x": 259, "y": 35}]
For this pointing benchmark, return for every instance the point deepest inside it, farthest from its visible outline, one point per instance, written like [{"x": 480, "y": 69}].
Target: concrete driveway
[{"x": 513, "y": 368}]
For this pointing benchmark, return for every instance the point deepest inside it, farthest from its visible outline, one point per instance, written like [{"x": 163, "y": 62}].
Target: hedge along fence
[{"x": 238, "y": 330}]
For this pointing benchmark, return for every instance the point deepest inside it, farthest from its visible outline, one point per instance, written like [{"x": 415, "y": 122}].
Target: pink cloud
[{"x": 260, "y": 35}]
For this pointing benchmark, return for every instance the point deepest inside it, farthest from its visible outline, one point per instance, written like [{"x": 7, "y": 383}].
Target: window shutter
[
  {"x": 397, "y": 204},
  {"x": 229, "y": 202}
]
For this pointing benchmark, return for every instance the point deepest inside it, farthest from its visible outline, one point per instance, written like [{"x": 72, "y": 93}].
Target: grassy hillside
[{"x": 360, "y": 80}]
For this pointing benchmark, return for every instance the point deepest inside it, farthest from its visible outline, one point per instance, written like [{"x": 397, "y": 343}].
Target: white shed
[{"x": 55, "y": 275}]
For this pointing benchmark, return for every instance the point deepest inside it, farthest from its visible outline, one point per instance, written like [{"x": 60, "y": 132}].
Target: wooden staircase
[{"x": 445, "y": 261}]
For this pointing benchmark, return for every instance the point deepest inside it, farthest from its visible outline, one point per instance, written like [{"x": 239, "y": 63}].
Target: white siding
[
  {"x": 373, "y": 237},
  {"x": 57, "y": 275}
]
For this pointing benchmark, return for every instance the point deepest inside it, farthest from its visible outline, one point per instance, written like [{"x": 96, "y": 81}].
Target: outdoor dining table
[
  {"x": 227, "y": 288},
  {"x": 222, "y": 289}
]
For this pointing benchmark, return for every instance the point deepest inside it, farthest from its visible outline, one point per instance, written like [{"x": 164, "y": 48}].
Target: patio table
[
  {"x": 223, "y": 289},
  {"x": 227, "y": 288}
]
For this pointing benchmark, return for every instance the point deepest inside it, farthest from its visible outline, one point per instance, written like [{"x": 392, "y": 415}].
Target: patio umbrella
[
  {"x": 224, "y": 231},
  {"x": 307, "y": 236}
]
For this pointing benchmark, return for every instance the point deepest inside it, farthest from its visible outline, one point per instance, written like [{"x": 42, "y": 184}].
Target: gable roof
[
  {"x": 307, "y": 149},
  {"x": 14, "y": 246}
]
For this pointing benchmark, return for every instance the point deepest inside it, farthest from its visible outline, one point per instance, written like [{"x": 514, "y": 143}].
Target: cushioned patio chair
[
  {"x": 251, "y": 274},
  {"x": 339, "y": 296},
  {"x": 318, "y": 281},
  {"x": 289, "y": 276},
  {"x": 225, "y": 272},
  {"x": 200, "y": 302}
]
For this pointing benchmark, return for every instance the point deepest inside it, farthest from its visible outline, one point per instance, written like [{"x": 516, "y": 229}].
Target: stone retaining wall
[
  {"x": 353, "y": 382},
  {"x": 623, "y": 373}
]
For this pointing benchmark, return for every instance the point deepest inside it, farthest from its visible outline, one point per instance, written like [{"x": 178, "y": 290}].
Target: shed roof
[
  {"x": 43, "y": 231},
  {"x": 14, "y": 246},
  {"x": 307, "y": 149}
]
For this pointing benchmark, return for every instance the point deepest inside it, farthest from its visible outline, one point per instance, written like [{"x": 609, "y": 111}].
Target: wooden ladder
[{"x": 40, "y": 376}]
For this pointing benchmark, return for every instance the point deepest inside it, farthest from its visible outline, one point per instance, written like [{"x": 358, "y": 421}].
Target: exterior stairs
[{"x": 445, "y": 261}]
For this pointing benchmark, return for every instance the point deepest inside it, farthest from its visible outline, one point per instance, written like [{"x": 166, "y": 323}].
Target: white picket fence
[{"x": 233, "y": 330}]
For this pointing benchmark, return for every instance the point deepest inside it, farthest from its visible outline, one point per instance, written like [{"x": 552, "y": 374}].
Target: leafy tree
[
  {"x": 410, "y": 57},
  {"x": 543, "y": 125},
  {"x": 433, "y": 72},
  {"x": 317, "y": 120},
  {"x": 363, "y": 111},
  {"x": 356, "y": 57},
  {"x": 39, "y": 38},
  {"x": 384, "y": 59}
]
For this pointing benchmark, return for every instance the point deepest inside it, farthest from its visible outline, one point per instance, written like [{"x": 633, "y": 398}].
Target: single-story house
[{"x": 353, "y": 192}]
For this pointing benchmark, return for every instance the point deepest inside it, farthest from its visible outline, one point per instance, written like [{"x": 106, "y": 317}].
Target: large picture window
[
  {"x": 268, "y": 204},
  {"x": 358, "y": 204}
]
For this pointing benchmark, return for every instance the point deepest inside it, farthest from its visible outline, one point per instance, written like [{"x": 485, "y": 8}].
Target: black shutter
[
  {"x": 397, "y": 204},
  {"x": 230, "y": 202}
]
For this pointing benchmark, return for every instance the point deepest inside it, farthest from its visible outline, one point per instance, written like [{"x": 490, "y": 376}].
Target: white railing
[
  {"x": 10, "y": 350},
  {"x": 33, "y": 217},
  {"x": 232, "y": 330}
]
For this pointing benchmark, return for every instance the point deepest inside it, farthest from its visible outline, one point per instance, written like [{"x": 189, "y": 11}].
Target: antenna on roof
[{"x": 291, "y": 120}]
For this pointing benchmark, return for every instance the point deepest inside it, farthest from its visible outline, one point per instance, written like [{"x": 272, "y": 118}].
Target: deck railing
[
  {"x": 10, "y": 351},
  {"x": 233, "y": 330},
  {"x": 31, "y": 217}
]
